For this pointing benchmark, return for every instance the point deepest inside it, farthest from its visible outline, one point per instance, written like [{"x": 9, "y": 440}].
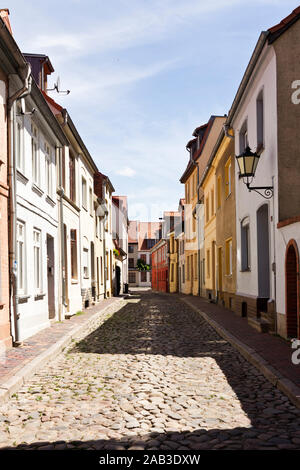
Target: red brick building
[{"x": 160, "y": 266}]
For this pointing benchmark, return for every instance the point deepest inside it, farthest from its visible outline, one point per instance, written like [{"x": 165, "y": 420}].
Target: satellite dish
[{"x": 56, "y": 87}]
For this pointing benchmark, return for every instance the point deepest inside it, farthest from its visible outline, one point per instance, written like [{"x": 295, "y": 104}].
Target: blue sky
[{"x": 143, "y": 75}]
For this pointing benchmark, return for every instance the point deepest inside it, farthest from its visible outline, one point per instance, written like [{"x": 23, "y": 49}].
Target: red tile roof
[{"x": 287, "y": 21}]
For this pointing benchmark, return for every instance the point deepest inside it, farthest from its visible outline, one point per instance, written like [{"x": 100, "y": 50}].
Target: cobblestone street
[{"x": 152, "y": 375}]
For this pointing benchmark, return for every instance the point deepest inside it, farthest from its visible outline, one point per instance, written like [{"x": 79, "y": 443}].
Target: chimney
[{"x": 4, "y": 13}]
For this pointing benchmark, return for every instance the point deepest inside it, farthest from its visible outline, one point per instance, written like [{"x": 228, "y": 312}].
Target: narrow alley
[{"x": 151, "y": 375}]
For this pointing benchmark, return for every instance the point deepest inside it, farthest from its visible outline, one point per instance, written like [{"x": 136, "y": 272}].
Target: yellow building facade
[
  {"x": 190, "y": 179},
  {"x": 219, "y": 229},
  {"x": 173, "y": 263}
]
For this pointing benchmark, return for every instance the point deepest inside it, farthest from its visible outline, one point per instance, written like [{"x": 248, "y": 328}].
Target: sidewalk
[
  {"x": 18, "y": 364},
  {"x": 270, "y": 354}
]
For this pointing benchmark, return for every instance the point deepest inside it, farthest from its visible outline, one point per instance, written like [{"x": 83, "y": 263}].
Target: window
[
  {"x": 144, "y": 258},
  {"x": 228, "y": 257},
  {"x": 63, "y": 167},
  {"x": 172, "y": 272},
  {"x": 207, "y": 209},
  {"x": 73, "y": 237},
  {"x": 228, "y": 178},
  {"x": 132, "y": 278},
  {"x": 183, "y": 274},
  {"x": 130, "y": 249},
  {"x": 219, "y": 192},
  {"x": 85, "y": 262},
  {"x": 83, "y": 193},
  {"x": 48, "y": 169},
  {"x": 208, "y": 262},
  {"x": 72, "y": 178},
  {"x": 260, "y": 120},
  {"x": 21, "y": 256},
  {"x": 20, "y": 142},
  {"x": 143, "y": 276},
  {"x": 37, "y": 260},
  {"x": 187, "y": 192},
  {"x": 212, "y": 201},
  {"x": 101, "y": 264},
  {"x": 195, "y": 266},
  {"x": 244, "y": 137},
  {"x": 131, "y": 262},
  {"x": 35, "y": 155},
  {"x": 245, "y": 244},
  {"x": 91, "y": 200}
]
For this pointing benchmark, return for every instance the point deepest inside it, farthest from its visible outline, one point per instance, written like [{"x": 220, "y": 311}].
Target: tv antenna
[{"x": 56, "y": 87}]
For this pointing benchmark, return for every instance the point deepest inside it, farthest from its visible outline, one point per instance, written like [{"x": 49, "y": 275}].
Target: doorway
[
  {"x": 292, "y": 290},
  {"x": 263, "y": 256},
  {"x": 50, "y": 276}
]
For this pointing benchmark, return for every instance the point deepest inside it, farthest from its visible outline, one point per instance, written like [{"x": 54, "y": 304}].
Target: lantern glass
[{"x": 247, "y": 162}]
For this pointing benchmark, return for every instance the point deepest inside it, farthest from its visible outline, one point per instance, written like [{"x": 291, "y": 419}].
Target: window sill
[
  {"x": 39, "y": 296},
  {"x": 37, "y": 190},
  {"x": 22, "y": 299},
  {"x": 50, "y": 201},
  {"x": 248, "y": 270},
  {"x": 22, "y": 178},
  {"x": 74, "y": 281}
]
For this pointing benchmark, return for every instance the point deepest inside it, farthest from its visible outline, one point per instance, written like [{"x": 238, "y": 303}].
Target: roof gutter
[{"x": 245, "y": 80}]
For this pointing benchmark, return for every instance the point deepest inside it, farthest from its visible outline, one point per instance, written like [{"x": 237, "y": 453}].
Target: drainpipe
[
  {"x": 62, "y": 232},
  {"x": 274, "y": 259},
  {"x": 62, "y": 244},
  {"x": 12, "y": 153},
  {"x": 104, "y": 240}
]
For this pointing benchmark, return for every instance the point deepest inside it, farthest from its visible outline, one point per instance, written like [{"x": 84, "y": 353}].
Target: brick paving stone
[{"x": 151, "y": 374}]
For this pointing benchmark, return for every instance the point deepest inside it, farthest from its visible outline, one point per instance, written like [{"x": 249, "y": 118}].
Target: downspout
[
  {"x": 62, "y": 236},
  {"x": 62, "y": 233},
  {"x": 104, "y": 241},
  {"x": 12, "y": 131},
  {"x": 274, "y": 260}
]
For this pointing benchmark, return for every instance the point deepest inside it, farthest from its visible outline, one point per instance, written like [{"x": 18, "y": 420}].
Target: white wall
[
  {"x": 37, "y": 210},
  {"x": 248, "y": 203}
]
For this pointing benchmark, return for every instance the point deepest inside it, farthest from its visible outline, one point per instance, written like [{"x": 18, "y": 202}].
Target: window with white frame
[
  {"x": 83, "y": 192},
  {"x": 35, "y": 155},
  {"x": 20, "y": 142},
  {"x": 91, "y": 200},
  {"x": 48, "y": 169},
  {"x": 21, "y": 257},
  {"x": 37, "y": 260},
  {"x": 245, "y": 244},
  {"x": 244, "y": 137},
  {"x": 260, "y": 119},
  {"x": 85, "y": 262}
]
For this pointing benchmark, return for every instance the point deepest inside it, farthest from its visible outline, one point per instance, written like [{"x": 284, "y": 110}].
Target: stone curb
[
  {"x": 8, "y": 388},
  {"x": 273, "y": 375}
]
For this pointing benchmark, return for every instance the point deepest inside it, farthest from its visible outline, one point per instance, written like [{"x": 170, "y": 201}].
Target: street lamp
[{"x": 247, "y": 163}]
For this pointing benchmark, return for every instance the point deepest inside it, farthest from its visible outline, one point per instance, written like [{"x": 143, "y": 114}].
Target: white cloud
[
  {"x": 127, "y": 171},
  {"x": 143, "y": 25}
]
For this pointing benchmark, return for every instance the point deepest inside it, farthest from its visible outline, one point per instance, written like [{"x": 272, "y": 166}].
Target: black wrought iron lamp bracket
[{"x": 267, "y": 191}]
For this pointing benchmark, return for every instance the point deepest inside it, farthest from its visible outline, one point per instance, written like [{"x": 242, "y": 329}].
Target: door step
[{"x": 260, "y": 324}]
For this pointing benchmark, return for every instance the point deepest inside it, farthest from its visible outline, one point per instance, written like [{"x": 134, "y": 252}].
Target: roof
[
  {"x": 191, "y": 164},
  {"x": 147, "y": 231},
  {"x": 268, "y": 37},
  {"x": 278, "y": 29},
  {"x": 132, "y": 232},
  {"x": 158, "y": 245},
  {"x": 140, "y": 232}
]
